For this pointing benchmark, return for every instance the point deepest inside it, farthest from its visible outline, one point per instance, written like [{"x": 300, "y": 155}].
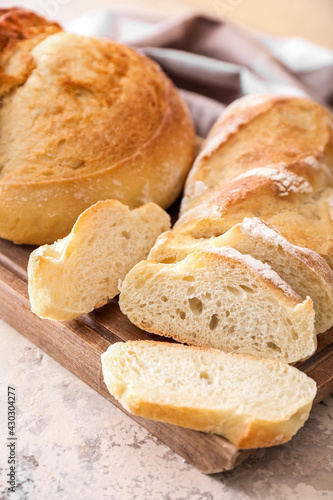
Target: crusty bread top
[
  {"x": 81, "y": 120},
  {"x": 268, "y": 156},
  {"x": 291, "y": 133},
  {"x": 20, "y": 31},
  {"x": 302, "y": 215},
  {"x": 94, "y": 99},
  {"x": 18, "y": 24}
]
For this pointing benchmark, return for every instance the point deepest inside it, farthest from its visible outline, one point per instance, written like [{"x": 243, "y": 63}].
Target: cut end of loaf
[
  {"x": 223, "y": 300},
  {"x": 81, "y": 272},
  {"x": 305, "y": 271}
]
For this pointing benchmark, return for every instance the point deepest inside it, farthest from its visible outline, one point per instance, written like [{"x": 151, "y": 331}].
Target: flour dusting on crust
[
  {"x": 287, "y": 182},
  {"x": 257, "y": 228},
  {"x": 264, "y": 270}
]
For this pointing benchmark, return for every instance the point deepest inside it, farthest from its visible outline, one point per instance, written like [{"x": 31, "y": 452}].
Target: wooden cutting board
[{"x": 78, "y": 344}]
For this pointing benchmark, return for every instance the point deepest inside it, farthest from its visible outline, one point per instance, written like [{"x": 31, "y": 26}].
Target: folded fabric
[{"x": 217, "y": 62}]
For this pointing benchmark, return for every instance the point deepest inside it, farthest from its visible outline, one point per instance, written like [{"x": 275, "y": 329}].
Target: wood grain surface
[{"x": 78, "y": 344}]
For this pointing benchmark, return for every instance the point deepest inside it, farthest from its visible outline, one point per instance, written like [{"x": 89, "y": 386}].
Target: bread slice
[
  {"x": 304, "y": 270},
  {"x": 221, "y": 299},
  {"x": 81, "y": 272},
  {"x": 252, "y": 402}
]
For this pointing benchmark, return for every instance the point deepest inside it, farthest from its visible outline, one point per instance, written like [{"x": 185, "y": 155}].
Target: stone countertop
[{"x": 73, "y": 444}]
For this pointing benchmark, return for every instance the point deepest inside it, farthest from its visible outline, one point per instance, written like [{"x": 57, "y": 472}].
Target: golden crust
[
  {"x": 270, "y": 157},
  {"x": 97, "y": 121},
  {"x": 259, "y": 146},
  {"x": 20, "y": 31},
  {"x": 304, "y": 219},
  {"x": 290, "y": 133},
  {"x": 17, "y": 24},
  {"x": 244, "y": 435}
]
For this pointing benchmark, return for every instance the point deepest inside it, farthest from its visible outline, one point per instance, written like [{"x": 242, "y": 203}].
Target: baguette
[
  {"x": 252, "y": 402},
  {"x": 302, "y": 216},
  {"x": 291, "y": 134},
  {"x": 271, "y": 157},
  {"x": 81, "y": 272}
]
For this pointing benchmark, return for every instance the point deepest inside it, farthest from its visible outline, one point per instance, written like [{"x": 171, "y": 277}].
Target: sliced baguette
[
  {"x": 221, "y": 299},
  {"x": 303, "y": 269},
  {"x": 81, "y": 271},
  {"x": 252, "y": 402}
]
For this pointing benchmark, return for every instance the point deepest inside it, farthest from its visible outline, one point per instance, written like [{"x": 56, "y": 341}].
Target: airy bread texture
[
  {"x": 304, "y": 270},
  {"x": 252, "y": 402},
  {"x": 81, "y": 272},
  {"x": 83, "y": 119},
  {"x": 271, "y": 157},
  {"x": 221, "y": 299}
]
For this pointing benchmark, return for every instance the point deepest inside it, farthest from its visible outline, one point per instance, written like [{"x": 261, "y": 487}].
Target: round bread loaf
[{"x": 81, "y": 120}]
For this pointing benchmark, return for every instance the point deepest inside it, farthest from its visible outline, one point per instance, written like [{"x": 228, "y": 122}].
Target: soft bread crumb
[
  {"x": 304, "y": 270},
  {"x": 218, "y": 298},
  {"x": 252, "y": 402},
  {"x": 81, "y": 272}
]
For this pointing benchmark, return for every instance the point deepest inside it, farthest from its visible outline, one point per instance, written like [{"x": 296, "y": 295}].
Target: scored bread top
[
  {"x": 94, "y": 99},
  {"x": 302, "y": 217},
  {"x": 259, "y": 130},
  {"x": 81, "y": 120},
  {"x": 286, "y": 182},
  {"x": 268, "y": 156},
  {"x": 20, "y": 31}
]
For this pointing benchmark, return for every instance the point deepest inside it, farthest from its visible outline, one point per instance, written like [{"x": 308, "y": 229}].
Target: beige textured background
[{"x": 311, "y": 19}]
